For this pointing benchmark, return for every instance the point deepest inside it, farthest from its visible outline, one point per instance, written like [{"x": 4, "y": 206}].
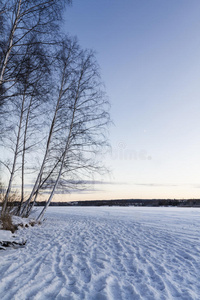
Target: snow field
[{"x": 101, "y": 253}]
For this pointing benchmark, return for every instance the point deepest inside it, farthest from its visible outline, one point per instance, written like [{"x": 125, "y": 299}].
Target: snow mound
[
  {"x": 8, "y": 239},
  {"x": 6, "y": 235},
  {"x": 23, "y": 222}
]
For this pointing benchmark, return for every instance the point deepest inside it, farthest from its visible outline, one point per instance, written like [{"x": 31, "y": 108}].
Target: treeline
[{"x": 129, "y": 202}]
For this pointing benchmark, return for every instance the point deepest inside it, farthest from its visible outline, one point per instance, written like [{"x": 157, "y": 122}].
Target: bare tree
[
  {"x": 37, "y": 76},
  {"x": 36, "y": 67},
  {"x": 21, "y": 20},
  {"x": 78, "y": 127},
  {"x": 30, "y": 94},
  {"x": 81, "y": 123},
  {"x": 25, "y": 25},
  {"x": 64, "y": 73}
]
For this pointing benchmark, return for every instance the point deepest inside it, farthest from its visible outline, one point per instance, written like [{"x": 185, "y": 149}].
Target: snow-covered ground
[{"x": 106, "y": 253}]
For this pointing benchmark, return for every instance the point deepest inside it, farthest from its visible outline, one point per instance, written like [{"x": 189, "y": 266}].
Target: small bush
[{"x": 7, "y": 224}]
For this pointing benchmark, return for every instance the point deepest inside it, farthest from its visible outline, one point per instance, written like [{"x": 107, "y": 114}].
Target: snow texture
[
  {"x": 8, "y": 239},
  {"x": 24, "y": 222},
  {"x": 6, "y": 235},
  {"x": 100, "y": 253}
]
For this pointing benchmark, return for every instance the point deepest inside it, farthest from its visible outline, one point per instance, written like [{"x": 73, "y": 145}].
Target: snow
[
  {"x": 6, "y": 235},
  {"x": 9, "y": 239},
  {"x": 24, "y": 222},
  {"x": 106, "y": 253}
]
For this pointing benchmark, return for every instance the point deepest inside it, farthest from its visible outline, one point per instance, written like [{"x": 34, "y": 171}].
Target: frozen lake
[{"x": 106, "y": 253}]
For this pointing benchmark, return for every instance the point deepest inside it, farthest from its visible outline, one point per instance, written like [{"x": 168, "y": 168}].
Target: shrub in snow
[{"x": 7, "y": 224}]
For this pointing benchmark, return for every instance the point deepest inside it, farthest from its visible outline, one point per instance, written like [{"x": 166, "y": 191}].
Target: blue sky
[{"x": 149, "y": 54}]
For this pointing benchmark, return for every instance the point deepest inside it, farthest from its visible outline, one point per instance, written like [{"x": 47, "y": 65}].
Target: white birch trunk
[
  {"x": 62, "y": 163},
  {"x": 23, "y": 155},
  {"x": 26, "y": 210},
  {"x": 5, "y": 202}
]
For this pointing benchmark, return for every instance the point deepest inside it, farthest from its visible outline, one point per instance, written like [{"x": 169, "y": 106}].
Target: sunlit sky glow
[{"x": 149, "y": 54}]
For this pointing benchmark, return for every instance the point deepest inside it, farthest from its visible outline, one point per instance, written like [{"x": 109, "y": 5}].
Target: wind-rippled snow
[{"x": 104, "y": 253}]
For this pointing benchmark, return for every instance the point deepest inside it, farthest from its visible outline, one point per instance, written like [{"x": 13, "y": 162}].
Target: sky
[{"x": 149, "y": 54}]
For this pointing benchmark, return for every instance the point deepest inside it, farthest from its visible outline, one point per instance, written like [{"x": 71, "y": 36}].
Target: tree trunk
[
  {"x": 23, "y": 155},
  {"x": 63, "y": 160},
  {"x": 25, "y": 210},
  {"x": 5, "y": 202}
]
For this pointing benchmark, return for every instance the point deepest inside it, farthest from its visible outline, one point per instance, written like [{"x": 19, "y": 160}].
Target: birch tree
[
  {"x": 82, "y": 121},
  {"x": 24, "y": 24},
  {"x": 28, "y": 114},
  {"x": 22, "y": 19},
  {"x": 36, "y": 67},
  {"x": 78, "y": 127}
]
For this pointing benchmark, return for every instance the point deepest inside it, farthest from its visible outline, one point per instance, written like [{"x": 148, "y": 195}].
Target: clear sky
[{"x": 149, "y": 54}]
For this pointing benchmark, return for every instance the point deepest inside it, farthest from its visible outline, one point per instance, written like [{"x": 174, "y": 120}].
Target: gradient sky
[{"x": 149, "y": 54}]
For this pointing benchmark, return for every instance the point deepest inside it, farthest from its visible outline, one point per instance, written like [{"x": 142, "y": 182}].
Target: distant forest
[{"x": 128, "y": 202}]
